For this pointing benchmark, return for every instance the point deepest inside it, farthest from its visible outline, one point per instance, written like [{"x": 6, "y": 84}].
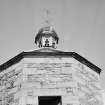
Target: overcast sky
[{"x": 80, "y": 25}]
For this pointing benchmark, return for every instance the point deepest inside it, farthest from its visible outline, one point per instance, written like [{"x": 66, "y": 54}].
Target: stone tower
[{"x": 49, "y": 77}]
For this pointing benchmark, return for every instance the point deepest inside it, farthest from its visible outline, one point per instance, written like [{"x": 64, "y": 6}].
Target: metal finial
[{"x": 47, "y": 18}]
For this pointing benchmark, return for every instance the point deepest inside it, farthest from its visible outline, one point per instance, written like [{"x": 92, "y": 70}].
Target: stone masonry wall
[
  {"x": 10, "y": 85},
  {"x": 65, "y": 77}
]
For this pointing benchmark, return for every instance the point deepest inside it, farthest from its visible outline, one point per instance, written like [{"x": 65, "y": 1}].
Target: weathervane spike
[{"x": 47, "y": 19}]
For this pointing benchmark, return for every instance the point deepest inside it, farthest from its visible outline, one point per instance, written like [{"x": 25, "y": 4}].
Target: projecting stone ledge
[{"x": 49, "y": 53}]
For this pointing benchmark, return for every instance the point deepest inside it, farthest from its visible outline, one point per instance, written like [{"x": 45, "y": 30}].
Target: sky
[{"x": 80, "y": 25}]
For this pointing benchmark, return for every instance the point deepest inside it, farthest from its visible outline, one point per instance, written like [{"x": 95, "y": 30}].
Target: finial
[{"x": 47, "y": 17}]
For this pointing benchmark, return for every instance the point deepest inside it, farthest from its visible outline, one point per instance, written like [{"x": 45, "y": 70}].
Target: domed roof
[{"x": 46, "y": 31}]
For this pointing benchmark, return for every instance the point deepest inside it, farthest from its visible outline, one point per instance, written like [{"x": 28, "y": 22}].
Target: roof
[{"x": 53, "y": 53}]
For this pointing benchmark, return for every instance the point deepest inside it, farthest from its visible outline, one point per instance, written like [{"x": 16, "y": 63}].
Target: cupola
[{"x": 46, "y": 37}]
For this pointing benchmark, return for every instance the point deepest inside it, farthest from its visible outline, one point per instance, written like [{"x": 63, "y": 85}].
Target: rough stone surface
[{"x": 77, "y": 84}]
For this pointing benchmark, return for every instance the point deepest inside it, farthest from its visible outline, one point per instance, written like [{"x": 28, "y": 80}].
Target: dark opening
[{"x": 49, "y": 100}]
